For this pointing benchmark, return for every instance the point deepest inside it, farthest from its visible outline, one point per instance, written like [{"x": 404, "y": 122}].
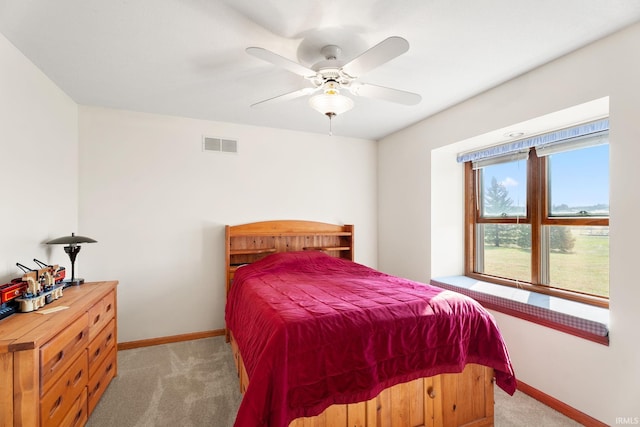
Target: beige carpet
[
  {"x": 186, "y": 384},
  {"x": 193, "y": 384}
]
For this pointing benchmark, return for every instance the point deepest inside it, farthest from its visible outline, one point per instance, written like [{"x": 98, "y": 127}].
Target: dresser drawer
[
  {"x": 59, "y": 352},
  {"x": 98, "y": 383},
  {"x": 100, "y": 346},
  {"x": 77, "y": 415},
  {"x": 55, "y": 404},
  {"x": 101, "y": 313}
]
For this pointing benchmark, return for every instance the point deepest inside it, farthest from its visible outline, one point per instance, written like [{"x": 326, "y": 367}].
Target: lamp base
[{"x": 74, "y": 282}]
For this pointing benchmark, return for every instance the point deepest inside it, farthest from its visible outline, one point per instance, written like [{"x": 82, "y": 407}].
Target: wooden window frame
[{"x": 537, "y": 217}]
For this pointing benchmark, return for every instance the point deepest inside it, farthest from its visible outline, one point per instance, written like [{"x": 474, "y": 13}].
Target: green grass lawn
[{"x": 585, "y": 269}]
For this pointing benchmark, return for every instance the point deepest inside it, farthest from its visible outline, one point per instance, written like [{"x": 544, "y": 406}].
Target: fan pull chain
[{"x": 330, "y": 115}]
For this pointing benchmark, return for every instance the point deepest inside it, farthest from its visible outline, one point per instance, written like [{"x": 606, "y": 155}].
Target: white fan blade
[
  {"x": 383, "y": 52},
  {"x": 385, "y": 93},
  {"x": 280, "y": 61},
  {"x": 286, "y": 96}
]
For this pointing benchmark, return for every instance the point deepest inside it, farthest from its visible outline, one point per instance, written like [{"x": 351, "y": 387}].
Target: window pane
[
  {"x": 504, "y": 189},
  {"x": 506, "y": 251},
  {"x": 579, "y": 182},
  {"x": 579, "y": 259}
]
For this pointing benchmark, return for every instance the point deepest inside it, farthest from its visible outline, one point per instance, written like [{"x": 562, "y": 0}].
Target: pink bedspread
[{"x": 315, "y": 330}]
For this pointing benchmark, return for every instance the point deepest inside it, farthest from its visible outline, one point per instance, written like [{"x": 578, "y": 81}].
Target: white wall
[
  {"x": 157, "y": 204},
  {"x": 419, "y": 214},
  {"x": 39, "y": 163}
]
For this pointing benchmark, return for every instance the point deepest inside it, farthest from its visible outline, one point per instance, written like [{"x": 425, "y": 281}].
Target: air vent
[{"x": 223, "y": 145}]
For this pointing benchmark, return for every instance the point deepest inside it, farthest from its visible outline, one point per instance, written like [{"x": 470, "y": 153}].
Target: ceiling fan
[{"x": 331, "y": 75}]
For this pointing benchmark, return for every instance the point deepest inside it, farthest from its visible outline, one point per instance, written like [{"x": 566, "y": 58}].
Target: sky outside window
[{"x": 579, "y": 180}]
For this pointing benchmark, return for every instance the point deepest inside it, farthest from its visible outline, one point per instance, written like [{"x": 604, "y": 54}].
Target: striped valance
[{"x": 555, "y": 137}]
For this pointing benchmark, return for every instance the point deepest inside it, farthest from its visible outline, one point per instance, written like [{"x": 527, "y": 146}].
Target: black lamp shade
[
  {"x": 72, "y": 250},
  {"x": 70, "y": 240}
]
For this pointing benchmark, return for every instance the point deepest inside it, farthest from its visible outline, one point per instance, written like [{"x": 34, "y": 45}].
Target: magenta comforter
[{"x": 315, "y": 330}]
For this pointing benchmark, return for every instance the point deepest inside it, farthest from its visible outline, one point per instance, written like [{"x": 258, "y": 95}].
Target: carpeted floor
[
  {"x": 193, "y": 384},
  {"x": 186, "y": 384}
]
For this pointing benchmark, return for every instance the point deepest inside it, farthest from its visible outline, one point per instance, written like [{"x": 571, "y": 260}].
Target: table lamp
[{"x": 72, "y": 250}]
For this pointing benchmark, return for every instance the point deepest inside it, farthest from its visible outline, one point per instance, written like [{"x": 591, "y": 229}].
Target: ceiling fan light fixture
[{"x": 331, "y": 103}]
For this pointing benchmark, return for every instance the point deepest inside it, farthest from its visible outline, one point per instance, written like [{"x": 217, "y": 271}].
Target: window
[{"x": 537, "y": 213}]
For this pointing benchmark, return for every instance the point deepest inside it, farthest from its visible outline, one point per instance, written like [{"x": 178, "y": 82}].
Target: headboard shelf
[
  {"x": 247, "y": 243},
  {"x": 252, "y": 251},
  {"x": 326, "y": 248},
  {"x": 290, "y": 233}
]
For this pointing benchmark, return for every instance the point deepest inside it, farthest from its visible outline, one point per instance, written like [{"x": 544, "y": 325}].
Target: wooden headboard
[{"x": 247, "y": 243}]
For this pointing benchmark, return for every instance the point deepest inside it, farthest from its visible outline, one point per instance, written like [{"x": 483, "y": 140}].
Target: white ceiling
[{"x": 187, "y": 57}]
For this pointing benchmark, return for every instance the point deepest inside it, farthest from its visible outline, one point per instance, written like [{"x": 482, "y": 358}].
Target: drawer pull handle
[
  {"x": 56, "y": 361},
  {"x": 97, "y": 319},
  {"x": 108, "y": 308},
  {"x": 431, "y": 392},
  {"x": 55, "y": 406},
  {"x": 109, "y": 367},
  {"x": 78, "y": 377},
  {"x": 97, "y": 387},
  {"x": 96, "y": 353},
  {"x": 78, "y": 416},
  {"x": 109, "y": 337},
  {"x": 80, "y": 336}
]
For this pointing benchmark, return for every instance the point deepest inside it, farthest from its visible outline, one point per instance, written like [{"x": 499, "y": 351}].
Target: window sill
[{"x": 575, "y": 318}]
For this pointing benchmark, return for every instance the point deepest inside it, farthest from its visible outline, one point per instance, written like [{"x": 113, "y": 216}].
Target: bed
[{"x": 322, "y": 341}]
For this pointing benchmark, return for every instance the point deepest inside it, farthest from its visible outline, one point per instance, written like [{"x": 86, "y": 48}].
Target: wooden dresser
[{"x": 56, "y": 362}]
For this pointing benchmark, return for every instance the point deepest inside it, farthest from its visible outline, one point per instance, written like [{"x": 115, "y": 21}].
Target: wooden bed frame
[{"x": 464, "y": 399}]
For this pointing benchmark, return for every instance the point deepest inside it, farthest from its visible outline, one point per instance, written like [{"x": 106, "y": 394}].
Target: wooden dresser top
[{"x": 25, "y": 331}]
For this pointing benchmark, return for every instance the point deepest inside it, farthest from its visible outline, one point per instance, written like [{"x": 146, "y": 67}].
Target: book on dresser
[{"x": 55, "y": 363}]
